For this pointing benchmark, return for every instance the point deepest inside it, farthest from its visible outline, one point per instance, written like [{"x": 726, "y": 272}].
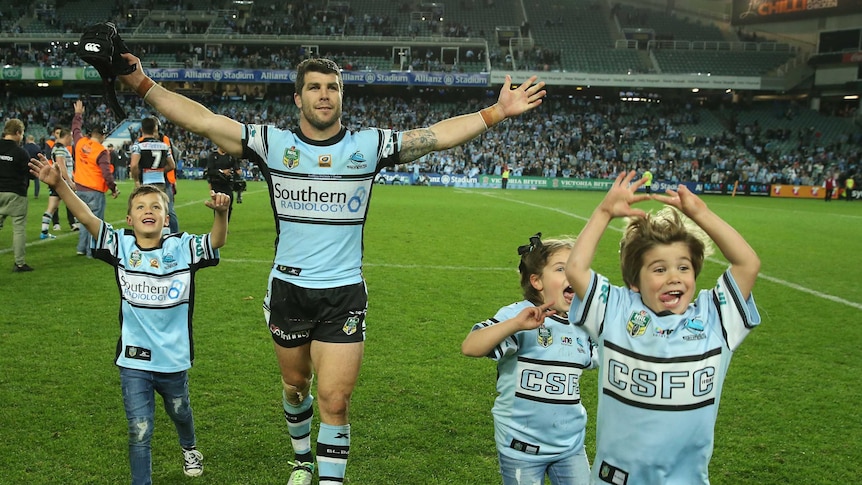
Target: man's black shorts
[{"x": 298, "y": 315}]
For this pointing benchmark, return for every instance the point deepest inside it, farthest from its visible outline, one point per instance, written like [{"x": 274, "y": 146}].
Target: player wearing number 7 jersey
[{"x": 151, "y": 156}]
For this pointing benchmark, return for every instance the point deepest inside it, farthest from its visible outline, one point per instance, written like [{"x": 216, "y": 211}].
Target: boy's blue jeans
[
  {"x": 139, "y": 388},
  {"x": 574, "y": 470}
]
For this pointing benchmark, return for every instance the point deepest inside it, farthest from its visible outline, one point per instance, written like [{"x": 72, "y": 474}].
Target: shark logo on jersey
[
  {"x": 638, "y": 323},
  {"x": 356, "y": 161},
  {"x": 169, "y": 260},
  {"x": 696, "y": 327},
  {"x": 291, "y": 158},
  {"x": 135, "y": 259},
  {"x": 545, "y": 338}
]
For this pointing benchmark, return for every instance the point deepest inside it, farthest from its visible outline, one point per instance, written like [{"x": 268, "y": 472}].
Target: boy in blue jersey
[
  {"x": 539, "y": 421},
  {"x": 664, "y": 349},
  {"x": 320, "y": 176},
  {"x": 155, "y": 275}
]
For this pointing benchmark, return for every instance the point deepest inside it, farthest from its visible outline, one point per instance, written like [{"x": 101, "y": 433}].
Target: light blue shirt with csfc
[
  {"x": 538, "y": 415},
  {"x": 320, "y": 192},
  {"x": 660, "y": 379}
]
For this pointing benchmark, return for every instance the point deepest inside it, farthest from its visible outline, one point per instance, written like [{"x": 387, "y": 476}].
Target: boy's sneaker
[
  {"x": 47, "y": 235},
  {"x": 193, "y": 463},
  {"x": 23, "y": 268},
  {"x": 302, "y": 473},
  {"x": 57, "y": 227},
  {"x": 75, "y": 227}
]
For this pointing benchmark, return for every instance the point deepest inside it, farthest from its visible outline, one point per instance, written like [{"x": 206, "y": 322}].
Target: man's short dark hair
[
  {"x": 318, "y": 64},
  {"x": 149, "y": 125}
]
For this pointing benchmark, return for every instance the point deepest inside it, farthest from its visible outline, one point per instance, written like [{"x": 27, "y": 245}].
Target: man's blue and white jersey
[
  {"x": 320, "y": 192},
  {"x": 538, "y": 414},
  {"x": 61, "y": 151},
  {"x": 660, "y": 379},
  {"x": 157, "y": 290}
]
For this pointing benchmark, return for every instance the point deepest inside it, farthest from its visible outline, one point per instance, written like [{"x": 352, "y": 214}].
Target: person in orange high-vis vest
[{"x": 93, "y": 175}]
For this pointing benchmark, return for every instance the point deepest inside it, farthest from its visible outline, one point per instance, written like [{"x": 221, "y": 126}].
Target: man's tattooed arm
[{"x": 416, "y": 143}]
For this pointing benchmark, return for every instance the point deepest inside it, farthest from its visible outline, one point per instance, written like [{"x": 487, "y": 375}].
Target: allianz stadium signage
[
  {"x": 399, "y": 78},
  {"x": 350, "y": 77}
]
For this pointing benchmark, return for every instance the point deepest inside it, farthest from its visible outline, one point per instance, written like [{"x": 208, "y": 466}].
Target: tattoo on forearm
[{"x": 416, "y": 143}]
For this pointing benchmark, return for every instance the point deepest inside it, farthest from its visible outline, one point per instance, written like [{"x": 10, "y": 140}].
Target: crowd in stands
[{"x": 579, "y": 137}]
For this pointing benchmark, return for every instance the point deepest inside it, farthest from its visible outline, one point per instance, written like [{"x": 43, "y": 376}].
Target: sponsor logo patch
[{"x": 138, "y": 353}]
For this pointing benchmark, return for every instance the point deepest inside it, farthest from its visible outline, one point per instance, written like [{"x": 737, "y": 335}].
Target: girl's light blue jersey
[
  {"x": 320, "y": 192},
  {"x": 157, "y": 291},
  {"x": 660, "y": 379},
  {"x": 538, "y": 414}
]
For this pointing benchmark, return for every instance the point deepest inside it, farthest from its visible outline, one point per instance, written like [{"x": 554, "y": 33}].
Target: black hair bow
[{"x": 535, "y": 242}]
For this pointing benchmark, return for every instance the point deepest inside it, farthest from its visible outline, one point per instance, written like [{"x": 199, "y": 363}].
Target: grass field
[{"x": 437, "y": 260}]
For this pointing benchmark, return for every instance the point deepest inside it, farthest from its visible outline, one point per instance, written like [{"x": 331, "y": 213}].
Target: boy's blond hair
[
  {"x": 667, "y": 226},
  {"x": 148, "y": 189}
]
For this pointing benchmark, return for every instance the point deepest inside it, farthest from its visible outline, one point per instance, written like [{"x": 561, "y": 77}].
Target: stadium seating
[
  {"x": 719, "y": 63},
  {"x": 580, "y": 30},
  {"x": 667, "y": 25}
]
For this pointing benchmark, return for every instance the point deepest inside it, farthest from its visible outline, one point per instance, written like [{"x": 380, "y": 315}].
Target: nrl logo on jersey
[
  {"x": 135, "y": 259},
  {"x": 638, "y": 323},
  {"x": 291, "y": 157},
  {"x": 545, "y": 338}
]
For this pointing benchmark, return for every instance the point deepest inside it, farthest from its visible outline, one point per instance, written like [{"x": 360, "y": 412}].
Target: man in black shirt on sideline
[
  {"x": 220, "y": 171},
  {"x": 14, "y": 180}
]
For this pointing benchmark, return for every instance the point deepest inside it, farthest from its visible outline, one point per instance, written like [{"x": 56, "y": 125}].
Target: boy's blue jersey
[
  {"x": 538, "y": 414},
  {"x": 660, "y": 379},
  {"x": 157, "y": 290},
  {"x": 320, "y": 192}
]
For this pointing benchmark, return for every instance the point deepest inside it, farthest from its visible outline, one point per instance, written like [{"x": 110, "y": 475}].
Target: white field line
[
  {"x": 68, "y": 233},
  {"x": 772, "y": 279},
  {"x": 793, "y": 211}
]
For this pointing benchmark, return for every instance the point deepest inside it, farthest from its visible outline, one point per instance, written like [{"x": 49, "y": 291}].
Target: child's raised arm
[
  {"x": 617, "y": 203},
  {"x": 744, "y": 262},
  {"x": 480, "y": 343},
  {"x": 219, "y": 203},
  {"x": 51, "y": 175}
]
